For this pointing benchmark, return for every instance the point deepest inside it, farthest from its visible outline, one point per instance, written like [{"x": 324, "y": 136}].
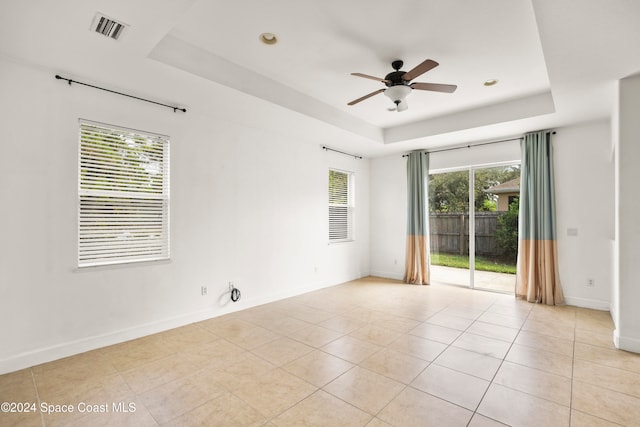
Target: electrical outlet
[
  {"x": 203, "y": 290},
  {"x": 590, "y": 282}
]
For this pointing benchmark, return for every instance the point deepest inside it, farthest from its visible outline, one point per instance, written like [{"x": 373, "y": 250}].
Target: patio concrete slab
[{"x": 487, "y": 280}]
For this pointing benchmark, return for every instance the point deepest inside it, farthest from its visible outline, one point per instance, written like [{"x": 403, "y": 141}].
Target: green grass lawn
[{"x": 482, "y": 263}]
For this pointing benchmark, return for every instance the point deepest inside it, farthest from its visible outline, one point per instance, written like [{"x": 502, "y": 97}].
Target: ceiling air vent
[{"x": 107, "y": 27}]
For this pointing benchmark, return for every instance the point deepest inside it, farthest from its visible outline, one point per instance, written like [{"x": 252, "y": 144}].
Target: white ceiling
[
  {"x": 556, "y": 60},
  {"x": 322, "y": 42}
]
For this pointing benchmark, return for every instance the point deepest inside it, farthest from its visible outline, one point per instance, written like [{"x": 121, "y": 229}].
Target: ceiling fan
[{"x": 399, "y": 83}]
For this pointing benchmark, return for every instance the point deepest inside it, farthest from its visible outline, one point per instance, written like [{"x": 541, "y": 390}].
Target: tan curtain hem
[
  {"x": 537, "y": 277},
  {"x": 417, "y": 261}
]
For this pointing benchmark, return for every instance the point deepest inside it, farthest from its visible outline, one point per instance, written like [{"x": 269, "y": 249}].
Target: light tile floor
[{"x": 372, "y": 352}]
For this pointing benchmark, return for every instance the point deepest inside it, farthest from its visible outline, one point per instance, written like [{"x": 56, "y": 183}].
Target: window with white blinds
[
  {"x": 123, "y": 189},
  {"x": 340, "y": 206}
]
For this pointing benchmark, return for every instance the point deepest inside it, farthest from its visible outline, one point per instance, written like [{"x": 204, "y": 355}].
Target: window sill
[
  {"x": 337, "y": 242},
  {"x": 119, "y": 265}
]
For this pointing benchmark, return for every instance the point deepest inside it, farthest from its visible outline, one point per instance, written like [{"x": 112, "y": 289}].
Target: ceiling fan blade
[
  {"x": 366, "y": 76},
  {"x": 435, "y": 87},
  {"x": 419, "y": 69},
  {"x": 366, "y": 96}
]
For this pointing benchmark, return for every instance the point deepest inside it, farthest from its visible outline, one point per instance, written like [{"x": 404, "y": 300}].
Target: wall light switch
[{"x": 572, "y": 231}]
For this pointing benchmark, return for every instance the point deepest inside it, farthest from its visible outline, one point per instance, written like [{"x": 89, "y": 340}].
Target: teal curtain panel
[
  {"x": 417, "y": 258},
  {"x": 537, "y": 277}
]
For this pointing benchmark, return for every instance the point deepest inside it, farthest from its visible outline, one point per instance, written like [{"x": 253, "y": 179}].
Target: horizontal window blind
[
  {"x": 340, "y": 206},
  {"x": 123, "y": 195}
]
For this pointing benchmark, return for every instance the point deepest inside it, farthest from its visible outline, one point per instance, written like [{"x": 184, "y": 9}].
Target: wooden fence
[{"x": 450, "y": 232}]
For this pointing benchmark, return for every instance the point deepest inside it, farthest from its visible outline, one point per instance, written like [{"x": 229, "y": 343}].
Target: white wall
[
  {"x": 615, "y": 142},
  {"x": 584, "y": 178},
  {"x": 627, "y": 333},
  {"x": 247, "y": 205},
  {"x": 388, "y": 216},
  {"x": 584, "y": 167}
]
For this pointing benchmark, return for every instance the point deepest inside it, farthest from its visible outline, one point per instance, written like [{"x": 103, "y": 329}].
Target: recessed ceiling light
[
  {"x": 268, "y": 38},
  {"x": 490, "y": 82}
]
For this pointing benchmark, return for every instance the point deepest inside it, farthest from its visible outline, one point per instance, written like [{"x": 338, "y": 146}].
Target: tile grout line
[
  {"x": 382, "y": 348},
  {"x": 320, "y": 388},
  {"x": 35, "y": 386},
  {"x": 432, "y": 362},
  {"x": 496, "y": 302},
  {"x": 500, "y": 366},
  {"x": 573, "y": 365},
  {"x": 520, "y": 329},
  {"x": 449, "y": 345}
]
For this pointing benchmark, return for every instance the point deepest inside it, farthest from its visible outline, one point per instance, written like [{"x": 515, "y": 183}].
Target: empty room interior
[{"x": 320, "y": 213}]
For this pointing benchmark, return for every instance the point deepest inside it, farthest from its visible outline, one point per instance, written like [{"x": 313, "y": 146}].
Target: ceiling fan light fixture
[
  {"x": 397, "y": 93},
  {"x": 268, "y": 38}
]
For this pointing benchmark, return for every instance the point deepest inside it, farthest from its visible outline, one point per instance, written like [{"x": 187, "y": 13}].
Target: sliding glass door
[
  {"x": 474, "y": 227},
  {"x": 495, "y": 246},
  {"x": 449, "y": 227}
]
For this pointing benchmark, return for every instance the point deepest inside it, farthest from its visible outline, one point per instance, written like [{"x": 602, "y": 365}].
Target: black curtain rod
[
  {"x": 324, "y": 147},
  {"x": 184, "y": 110},
  {"x": 473, "y": 145}
]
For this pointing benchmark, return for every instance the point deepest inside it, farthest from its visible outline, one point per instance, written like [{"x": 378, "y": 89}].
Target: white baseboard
[
  {"x": 626, "y": 343},
  {"x": 588, "y": 303},
  {"x": 388, "y": 275},
  {"x": 48, "y": 354}
]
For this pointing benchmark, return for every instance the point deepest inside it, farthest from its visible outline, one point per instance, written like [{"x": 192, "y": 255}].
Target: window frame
[
  {"x": 350, "y": 207},
  {"x": 105, "y": 236}
]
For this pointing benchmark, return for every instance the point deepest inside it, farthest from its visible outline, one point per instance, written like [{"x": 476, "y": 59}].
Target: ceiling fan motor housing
[{"x": 395, "y": 77}]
